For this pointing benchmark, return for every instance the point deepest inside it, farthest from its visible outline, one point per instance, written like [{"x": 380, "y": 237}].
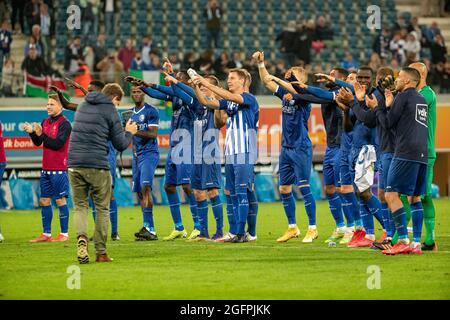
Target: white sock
[
  {"x": 293, "y": 225},
  {"x": 370, "y": 236},
  {"x": 415, "y": 244},
  {"x": 312, "y": 227},
  {"x": 65, "y": 234},
  {"x": 404, "y": 241},
  {"x": 47, "y": 234},
  {"x": 351, "y": 229}
]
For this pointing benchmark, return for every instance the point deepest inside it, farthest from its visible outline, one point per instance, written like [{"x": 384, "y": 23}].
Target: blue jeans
[
  {"x": 213, "y": 36},
  {"x": 109, "y": 21}
]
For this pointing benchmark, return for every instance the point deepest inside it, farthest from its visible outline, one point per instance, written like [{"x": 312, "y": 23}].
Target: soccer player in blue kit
[
  {"x": 407, "y": 173},
  {"x": 206, "y": 173},
  {"x": 296, "y": 152},
  {"x": 176, "y": 173},
  {"x": 240, "y": 148},
  {"x": 145, "y": 159}
]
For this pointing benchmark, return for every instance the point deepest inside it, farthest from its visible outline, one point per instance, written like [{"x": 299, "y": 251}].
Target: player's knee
[
  {"x": 61, "y": 202},
  {"x": 381, "y": 195},
  {"x": 187, "y": 189},
  {"x": 44, "y": 202},
  {"x": 212, "y": 193},
  {"x": 330, "y": 189},
  {"x": 226, "y": 191},
  {"x": 365, "y": 195},
  {"x": 170, "y": 189},
  {"x": 390, "y": 197},
  {"x": 415, "y": 199},
  {"x": 200, "y": 195},
  {"x": 346, "y": 188},
  {"x": 285, "y": 189}
]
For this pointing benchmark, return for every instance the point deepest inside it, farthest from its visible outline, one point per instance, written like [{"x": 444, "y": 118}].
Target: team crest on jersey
[
  {"x": 141, "y": 118},
  {"x": 422, "y": 114}
]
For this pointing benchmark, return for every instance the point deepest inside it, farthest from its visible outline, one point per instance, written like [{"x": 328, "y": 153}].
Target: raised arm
[
  {"x": 225, "y": 94},
  {"x": 213, "y": 104},
  {"x": 155, "y": 94},
  {"x": 66, "y": 104},
  {"x": 263, "y": 73}
]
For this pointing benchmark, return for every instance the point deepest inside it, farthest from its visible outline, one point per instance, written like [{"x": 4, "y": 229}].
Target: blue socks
[
  {"x": 148, "y": 219},
  {"x": 193, "y": 206},
  {"x": 202, "y": 213},
  {"x": 399, "y": 217},
  {"x": 64, "y": 218},
  {"x": 374, "y": 206},
  {"x": 310, "y": 204},
  {"x": 217, "y": 209},
  {"x": 113, "y": 215},
  {"x": 347, "y": 207},
  {"x": 367, "y": 218},
  {"x": 336, "y": 209},
  {"x": 289, "y": 207},
  {"x": 234, "y": 199},
  {"x": 230, "y": 214},
  {"x": 252, "y": 212},
  {"x": 387, "y": 220},
  {"x": 47, "y": 215},
  {"x": 174, "y": 204},
  {"x": 243, "y": 208},
  {"x": 417, "y": 220}
]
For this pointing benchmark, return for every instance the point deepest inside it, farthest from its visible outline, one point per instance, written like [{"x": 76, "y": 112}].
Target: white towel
[{"x": 364, "y": 168}]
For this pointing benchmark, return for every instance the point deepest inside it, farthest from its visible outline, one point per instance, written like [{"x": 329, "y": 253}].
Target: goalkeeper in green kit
[{"x": 427, "y": 202}]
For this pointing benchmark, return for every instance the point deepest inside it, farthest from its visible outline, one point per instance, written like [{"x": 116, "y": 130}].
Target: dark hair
[
  {"x": 366, "y": 68},
  {"x": 97, "y": 83},
  {"x": 383, "y": 72},
  {"x": 412, "y": 73},
  {"x": 342, "y": 72}
]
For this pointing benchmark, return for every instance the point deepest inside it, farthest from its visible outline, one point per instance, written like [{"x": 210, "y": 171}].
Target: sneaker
[
  {"x": 383, "y": 237},
  {"x": 384, "y": 245},
  {"x": 417, "y": 249},
  {"x": 103, "y": 258},
  {"x": 115, "y": 237},
  {"x": 82, "y": 250},
  {"x": 357, "y": 235},
  {"x": 61, "y": 238},
  {"x": 365, "y": 242},
  {"x": 200, "y": 238},
  {"x": 176, "y": 234},
  {"x": 194, "y": 234},
  {"x": 337, "y": 234},
  {"x": 311, "y": 235},
  {"x": 145, "y": 235},
  {"x": 226, "y": 238},
  {"x": 348, "y": 235},
  {"x": 239, "y": 239},
  {"x": 1, "y": 238},
  {"x": 399, "y": 248},
  {"x": 42, "y": 238},
  {"x": 289, "y": 234},
  {"x": 249, "y": 237},
  {"x": 430, "y": 247},
  {"x": 217, "y": 235}
]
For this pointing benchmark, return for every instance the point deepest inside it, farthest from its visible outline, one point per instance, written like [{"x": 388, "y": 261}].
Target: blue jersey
[
  {"x": 242, "y": 125},
  {"x": 206, "y": 137},
  {"x": 295, "y": 115},
  {"x": 145, "y": 117},
  {"x": 112, "y": 156}
]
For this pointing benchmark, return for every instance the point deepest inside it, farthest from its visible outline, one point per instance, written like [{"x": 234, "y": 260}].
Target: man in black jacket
[{"x": 96, "y": 121}]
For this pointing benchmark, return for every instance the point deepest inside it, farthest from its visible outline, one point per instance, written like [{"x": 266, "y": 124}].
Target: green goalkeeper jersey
[{"x": 430, "y": 98}]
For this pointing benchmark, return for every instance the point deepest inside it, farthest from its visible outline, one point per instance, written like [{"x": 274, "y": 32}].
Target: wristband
[{"x": 261, "y": 65}]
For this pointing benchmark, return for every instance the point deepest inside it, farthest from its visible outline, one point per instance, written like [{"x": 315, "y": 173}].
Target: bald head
[{"x": 423, "y": 70}]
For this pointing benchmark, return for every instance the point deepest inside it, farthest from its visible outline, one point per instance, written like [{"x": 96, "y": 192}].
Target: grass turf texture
[{"x": 181, "y": 270}]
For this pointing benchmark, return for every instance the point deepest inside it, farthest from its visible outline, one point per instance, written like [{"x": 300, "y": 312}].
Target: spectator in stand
[
  {"x": 375, "y": 62},
  {"x": 3, "y": 12},
  {"x": 394, "y": 65},
  {"x": 397, "y": 47},
  {"x": 87, "y": 18},
  {"x": 9, "y": 79},
  {"x": 414, "y": 26},
  {"x": 430, "y": 8},
  {"x": 438, "y": 50},
  {"x": 72, "y": 55},
  {"x": 173, "y": 58},
  {"x": 303, "y": 43},
  {"x": 82, "y": 77},
  {"x": 188, "y": 61},
  {"x": 89, "y": 57},
  {"x": 110, "y": 9},
  {"x": 213, "y": 15},
  {"x": 445, "y": 78},
  {"x": 137, "y": 63},
  {"x": 35, "y": 64},
  {"x": 324, "y": 33},
  {"x": 45, "y": 33},
  {"x": 126, "y": 55},
  {"x": 100, "y": 51},
  {"x": 349, "y": 63},
  {"x": 155, "y": 61},
  {"x": 288, "y": 37},
  {"x": 412, "y": 47},
  {"x": 237, "y": 59},
  {"x": 95, "y": 5},
  {"x": 110, "y": 68},
  {"x": 204, "y": 64},
  {"x": 33, "y": 13},
  {"x": 5, "y": 43},
  {"x": 280, "y": 69},
  {"x": 32, "y": 41},
  {"x": 222, "y": 66},
  {"x": 381, "y": 44},
  {"x": 146, "y": 47},
  {"x": 400, "y": 24},
  {"x": 18, "y": 7}
]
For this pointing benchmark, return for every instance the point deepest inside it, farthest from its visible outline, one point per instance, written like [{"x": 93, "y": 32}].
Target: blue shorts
[
  {"x": 295, "y": 166},
  {"x": 54, "y": 184},
  {"x": 331, "y": 164},
  {"x": 345, "y": 176},
  {"x": 239, "y": 177},
  {"x": 206, "y": 176},
  {"x": 383, "y": 170},
  {"x": 177, "y": 174},
  {"x": 407, "y": 177},
  {"x": 143, "y": 168}
]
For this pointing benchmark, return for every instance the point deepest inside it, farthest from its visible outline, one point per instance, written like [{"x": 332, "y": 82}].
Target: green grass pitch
[{"x": 181, "y": 270}]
